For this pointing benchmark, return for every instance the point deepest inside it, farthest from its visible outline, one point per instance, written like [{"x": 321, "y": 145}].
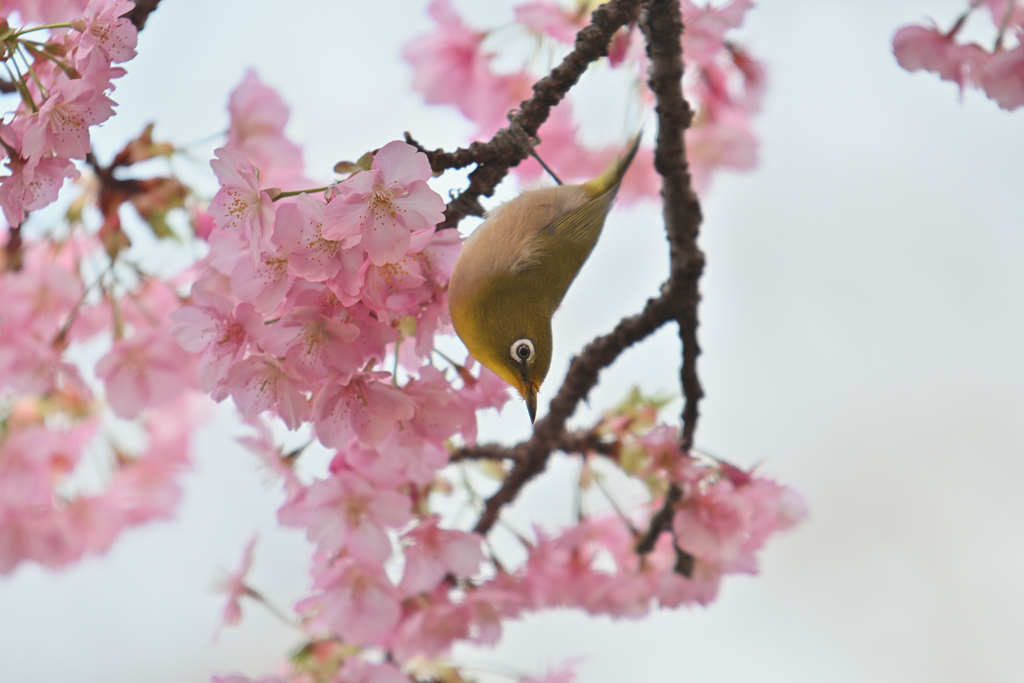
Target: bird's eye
[{"x": 522, "y": 351}]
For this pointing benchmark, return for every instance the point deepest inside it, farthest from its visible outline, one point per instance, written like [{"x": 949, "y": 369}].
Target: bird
[{"x": 515, "y": 268}]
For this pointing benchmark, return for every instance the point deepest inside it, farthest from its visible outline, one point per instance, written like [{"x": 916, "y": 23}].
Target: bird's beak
[
  {"x": 531, "y": 403},
  {"x": 529, "y": 393}
]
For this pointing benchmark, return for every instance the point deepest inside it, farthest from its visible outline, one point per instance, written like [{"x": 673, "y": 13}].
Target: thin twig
[{"x": 494, "y": 159}]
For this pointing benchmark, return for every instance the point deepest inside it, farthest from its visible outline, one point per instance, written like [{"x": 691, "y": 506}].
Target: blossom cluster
[
  {"x": 998, "y": 72},
  {"x": 301, "y": 300},
  {"x": 69, "y": 481},
  {"x": 449, "y": 590},
  {"x": 723, "y": 82},
  {"x": 63, "y": 84},
  {"x": 320, "y": 309}
]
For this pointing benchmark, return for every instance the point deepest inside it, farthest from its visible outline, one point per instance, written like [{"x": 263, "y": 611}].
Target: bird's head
[{"x": 509, "y": 336}]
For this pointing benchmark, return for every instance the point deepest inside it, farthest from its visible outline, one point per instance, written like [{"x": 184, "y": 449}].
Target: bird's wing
[
  {"x": 583, "y": 225},
  {"x": 558, "y": 251}
]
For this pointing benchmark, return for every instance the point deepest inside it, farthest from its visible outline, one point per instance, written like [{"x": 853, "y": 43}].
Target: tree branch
[
  {"x": 582, "y": 441},
  {"x": 661, "y": 22},
  {"x": 532, "y": 455},
  {"x": 141, "y": 12},
  {"x": 507, "y": 149}
]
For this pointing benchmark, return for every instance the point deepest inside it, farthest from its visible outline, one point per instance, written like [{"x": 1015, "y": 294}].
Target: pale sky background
[{"x": 862, "y": 326}]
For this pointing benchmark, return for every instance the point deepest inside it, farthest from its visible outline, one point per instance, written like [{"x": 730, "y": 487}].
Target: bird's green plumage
[{"x": 515, "y": 269}]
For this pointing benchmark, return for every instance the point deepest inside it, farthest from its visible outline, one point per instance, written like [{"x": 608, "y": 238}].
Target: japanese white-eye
[{"x": 516, "y": 267}]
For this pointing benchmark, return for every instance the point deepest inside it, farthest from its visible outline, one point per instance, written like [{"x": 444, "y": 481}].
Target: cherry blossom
[
  {"x": 62, "y": 124},
  {"x": 433, "y": 552},
  {"x": 106, "y": 32},
  {"x": 450, "y": 67},
  {"x": 549, "y": 18},
  {"x": 220, "y": 332},
  {"x": 258, "y": 117},
  {"x": 313, "y": 344},
  {"x": 234, "y": 586},
  {"x": 48, "y": 12},
  {"x": 346, "y": 512},
  {"x": 143, "y": 371},
  {"x": 260, "y": 383},
  {"x": 1002, "y": 77},
  {"x": 32, "y": 185},
  {"x": 299, "y": 229},
  {"x": 262, "y": 281},
  {"x": 361, "y": 405},
  {"x": 927, "y": 48},
  {"x": 355, "y": 600},
  {"x": 385, "y": 203},
  {"x": 240, "y": 204},
  {"x": 357, "y": 670}
]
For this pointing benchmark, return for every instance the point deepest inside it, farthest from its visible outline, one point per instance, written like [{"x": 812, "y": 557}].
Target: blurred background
[{"x": 862, "y": 327}]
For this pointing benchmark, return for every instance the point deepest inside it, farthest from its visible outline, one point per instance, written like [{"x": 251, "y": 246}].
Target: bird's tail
[{"x": 613, "y": 176}]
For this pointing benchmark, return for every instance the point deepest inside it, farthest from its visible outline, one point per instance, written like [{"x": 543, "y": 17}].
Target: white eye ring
[{"x": 522, "y": 351}]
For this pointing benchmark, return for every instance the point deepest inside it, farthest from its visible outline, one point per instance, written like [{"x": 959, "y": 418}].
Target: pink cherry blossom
[
  {"x": 439, "y": 412},
  {"x": 704, "y": 38},
  {"x": 262, "y": 445},
  {"x": 106, "y": 33},
  {"x": 562, "y": 674},
  {"x": 400, "y": 458},
  {"x": 218, "y": 330},
  {"x": 927, "y": 48},
  {"x": 144, "y": 371},
  {"x": 240, "y": 204},
  {"x": 385, "y": 203},
  {"x": 356, "y": 601},
  {"x": 313, "y": 344},
  {"x": 433, "y": 552},
  {"x": 671, "y": 588},
  {"x": 347, "y": 513},
  {"x": 727, "y": 142},
  {"x": 358, "y": 670},
  {"x": 1002, "y": 77},
  {"x": 486, "y": 390},
  {"x": 713, "y": 525},
  {"x": 234, "y": 586},
  {"x": 374, "y": 334},
  {"x": 392, "y": 290},
  {"x": 258, "y": 117},
  {"x": 32, "y": 185},
  {"x": 62, "y": 124},
  {"x": 431, "y": 630},
  {"x": 451, "y": 68},
  {"x": 299, "y": 229},
  {"x": 1008, "y": 12},
  {"x": 147, "y": 487},
  {"x": 547, "y": 17},
  {"x": 53, "y": 11},
  {"x": 264, "y": 280},
  {"x": 360, "y": 405},
  {"x": 260, "y": 383}
]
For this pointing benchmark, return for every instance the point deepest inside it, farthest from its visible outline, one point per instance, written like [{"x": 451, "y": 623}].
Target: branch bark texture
[{"x": 662, "y": 25}]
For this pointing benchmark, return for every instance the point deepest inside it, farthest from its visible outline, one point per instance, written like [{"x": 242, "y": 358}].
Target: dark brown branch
[
  {"x": 662, "y": 24},
  {"x": 507, "y": 149},
  {"x": 13, "y": 257},
  {"x": 661, "y": 520},
  {"x": 143, "y": 8},
  {"x": 532, "y": 455},
  {"x": 583, "y": 441}
]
